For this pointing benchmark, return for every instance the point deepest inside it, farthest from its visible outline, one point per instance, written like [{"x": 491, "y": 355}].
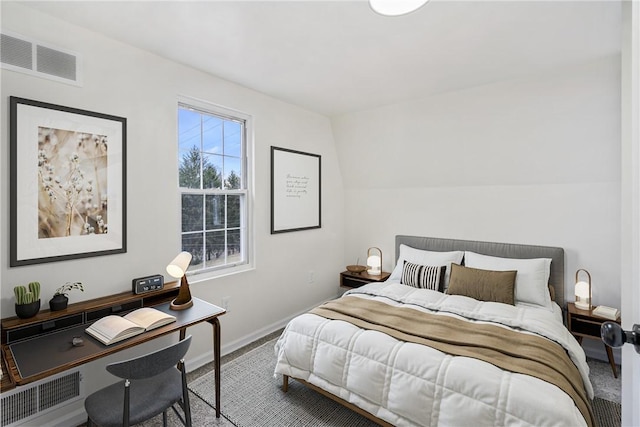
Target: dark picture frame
[
  {"x": 68, "y": 183},
  {"x": 296, "y": 199}
]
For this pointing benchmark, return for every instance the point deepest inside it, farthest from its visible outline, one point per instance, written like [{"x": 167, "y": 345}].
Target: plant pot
[
  {"x": 58, "y": 302},
  {"x": 25, "y": 311}
]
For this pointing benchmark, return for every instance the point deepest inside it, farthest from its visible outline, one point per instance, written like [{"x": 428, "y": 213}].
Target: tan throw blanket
[{"x": 507, "y": 349}]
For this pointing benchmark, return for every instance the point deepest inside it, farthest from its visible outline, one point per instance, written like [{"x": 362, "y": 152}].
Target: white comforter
[{"x": 409, "y": 384}]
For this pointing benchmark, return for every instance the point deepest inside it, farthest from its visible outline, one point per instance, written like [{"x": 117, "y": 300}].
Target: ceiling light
[{"x": 396, "y": 7}]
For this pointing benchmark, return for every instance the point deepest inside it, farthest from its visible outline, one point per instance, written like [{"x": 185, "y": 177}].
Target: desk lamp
[{"x": 178, "y": 269}]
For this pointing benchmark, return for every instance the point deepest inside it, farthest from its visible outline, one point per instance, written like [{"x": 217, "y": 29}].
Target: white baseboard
[
  {"x": 74, "y": 418},
  {"x": 230, "y": 347}
]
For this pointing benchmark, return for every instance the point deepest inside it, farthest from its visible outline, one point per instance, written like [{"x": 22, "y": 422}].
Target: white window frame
[{"x": 248, "y": 180}]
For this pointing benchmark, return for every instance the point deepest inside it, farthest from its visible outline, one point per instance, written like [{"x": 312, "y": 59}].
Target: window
[{"x": 213, "y": 179}]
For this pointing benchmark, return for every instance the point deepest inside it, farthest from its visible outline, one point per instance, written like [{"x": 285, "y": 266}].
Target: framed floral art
[{"x": 68, "y": 183}]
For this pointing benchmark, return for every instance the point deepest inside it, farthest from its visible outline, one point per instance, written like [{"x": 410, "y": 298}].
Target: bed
[{"x": 462, "y": 333}]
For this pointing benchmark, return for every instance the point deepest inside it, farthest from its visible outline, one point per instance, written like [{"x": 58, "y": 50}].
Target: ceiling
[{"x": 335, "y": 57}]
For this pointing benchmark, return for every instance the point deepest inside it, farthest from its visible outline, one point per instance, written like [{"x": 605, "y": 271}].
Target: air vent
[
  {"x": 33, "y": 400},
  {"x": 19, "y": 53}
]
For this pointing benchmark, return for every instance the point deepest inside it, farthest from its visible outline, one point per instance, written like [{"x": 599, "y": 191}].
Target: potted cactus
[
  {"x": 27, "y": 300},
  {"x": 60, "y": 299}
]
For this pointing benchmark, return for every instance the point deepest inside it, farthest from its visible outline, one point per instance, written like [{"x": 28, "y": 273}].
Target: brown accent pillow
[
  {"x": 552, "y": 292},
  {"x": 483, "y": 285}
]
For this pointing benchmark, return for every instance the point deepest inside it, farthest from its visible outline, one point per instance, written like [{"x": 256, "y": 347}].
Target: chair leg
[
  {"x": 187, "y": 411},
  {"x": 89, "y": 423},
  {"x": 164, "y": 418},
  {"x": 186, "y": 407}
]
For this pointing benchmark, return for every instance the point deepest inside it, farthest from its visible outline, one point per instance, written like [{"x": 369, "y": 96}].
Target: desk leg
[{"x": 215, "y": 323}]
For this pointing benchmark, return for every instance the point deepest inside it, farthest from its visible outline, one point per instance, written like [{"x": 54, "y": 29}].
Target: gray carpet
[
  {"x": 605, "y": 385},
  {"x": 251, "y": 396}
]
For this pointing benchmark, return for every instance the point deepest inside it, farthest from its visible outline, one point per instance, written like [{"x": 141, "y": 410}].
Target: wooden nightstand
[
  {"x": 351, "y": 280},
  {"x": 583, "y": 323}
]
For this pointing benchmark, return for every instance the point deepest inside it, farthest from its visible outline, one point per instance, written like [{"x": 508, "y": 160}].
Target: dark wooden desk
[{"x": 23, "y": 356}]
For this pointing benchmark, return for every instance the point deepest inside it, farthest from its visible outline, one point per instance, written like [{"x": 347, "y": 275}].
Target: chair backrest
[{"x": 151, "y": 364}]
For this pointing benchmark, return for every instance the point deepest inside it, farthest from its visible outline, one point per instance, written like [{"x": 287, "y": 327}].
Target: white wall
[
  {"x": 532, "y": 161},
  {"x": 124, "y": 81},
  {"x": 630, "y": 207}
]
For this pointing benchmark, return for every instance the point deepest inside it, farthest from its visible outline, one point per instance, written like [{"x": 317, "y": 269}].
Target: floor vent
[
  {"x": 18, "y": 53},
  {"x": 36, "y": 399}
]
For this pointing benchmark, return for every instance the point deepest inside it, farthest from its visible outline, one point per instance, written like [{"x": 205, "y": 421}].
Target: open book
[{"x": 111, "y": 329}]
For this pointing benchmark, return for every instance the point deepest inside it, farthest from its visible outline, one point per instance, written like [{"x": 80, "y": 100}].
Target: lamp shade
[
  {"x": 583, "y": 291},
  {"x": 374, "y": 261},
  {"x": 178, "y": 267},
  {"x": 396, "y": 7}
]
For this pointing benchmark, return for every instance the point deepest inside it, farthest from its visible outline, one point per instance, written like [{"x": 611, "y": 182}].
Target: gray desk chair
[{"x": 152, "y": 384}]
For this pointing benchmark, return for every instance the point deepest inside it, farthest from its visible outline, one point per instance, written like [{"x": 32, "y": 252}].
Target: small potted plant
[
  {"x": 60, "y": 299},
  {"x": 27, "y": 300}
]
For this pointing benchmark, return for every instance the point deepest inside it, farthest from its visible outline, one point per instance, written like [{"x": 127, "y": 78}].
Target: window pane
[
  {"x": 234, "y": 246},
  {"x": 215, "y": 248},
  {"x": 188, "y": 129},
  {"x": 215, "y": 212},
  {"x": 211, "y": 171},
  {"x": 192, "y": 243},
  {"x": 232, "y": 173},
  {"x": 212, "y": 134},
  {"x": 232, "y": 139},
  {"x": 233, "y": 211},
  {"x": 191, "y": 212},
  {"x": 189, "y": 171}
]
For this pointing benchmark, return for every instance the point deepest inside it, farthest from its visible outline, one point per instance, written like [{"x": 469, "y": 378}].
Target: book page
[
  {"x": 150, "y": 318},
  {"x": 113, "y": 328}
]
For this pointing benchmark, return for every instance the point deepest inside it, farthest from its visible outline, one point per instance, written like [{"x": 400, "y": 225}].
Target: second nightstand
[
  {"x": 355, "y": 280},
  {"x": 583, "y": 323}
]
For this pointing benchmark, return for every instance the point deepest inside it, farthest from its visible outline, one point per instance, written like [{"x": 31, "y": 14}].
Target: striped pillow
[{"x": 423, "y": 276}]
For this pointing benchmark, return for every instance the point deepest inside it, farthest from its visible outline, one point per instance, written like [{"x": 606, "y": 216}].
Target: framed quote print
[
  {"x": 295, "y": 190},
  {"x": 68, "y": 183}
]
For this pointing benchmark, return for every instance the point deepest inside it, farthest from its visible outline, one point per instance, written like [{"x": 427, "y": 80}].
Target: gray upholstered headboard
[{"x": 505, "y": 250}]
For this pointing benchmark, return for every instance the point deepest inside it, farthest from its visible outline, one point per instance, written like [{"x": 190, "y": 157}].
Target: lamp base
[
  {"x": 183, "y": 306},
  {"x": 582, "y": 306},
  {"x": 183, "y": 300}
]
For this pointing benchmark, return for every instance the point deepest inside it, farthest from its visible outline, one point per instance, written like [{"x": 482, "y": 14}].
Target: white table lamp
[
  {"x": 583, "y": 292},
  {"x": 374, "y": 262},
  {"x": 178, "y": 269}
]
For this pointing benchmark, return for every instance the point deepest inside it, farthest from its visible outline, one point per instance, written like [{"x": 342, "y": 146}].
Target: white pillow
[
  {"x": 422, "y": 257},
  {"x": 531, "y": 281}
]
